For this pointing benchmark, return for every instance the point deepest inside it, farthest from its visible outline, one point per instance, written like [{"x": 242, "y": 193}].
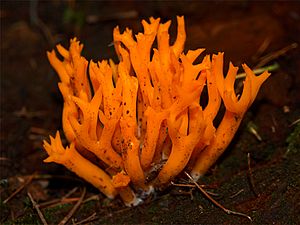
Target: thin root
[
  {"x": 228, "y": 211},
  {"x": 294, "y": 123},
  {"x": 237, "y": 193},
  {"x": 73, "y": 210},
  {"x": 37, "y": 208},
  {"x": 28, "y": 181},
  {"x": 251, "y": 176},
  {"x": 193, "y": 186},
  {"x": 274, "y": 55},
  {"x": 64, "y": 199},
  {"x": 88, "y": 219}
]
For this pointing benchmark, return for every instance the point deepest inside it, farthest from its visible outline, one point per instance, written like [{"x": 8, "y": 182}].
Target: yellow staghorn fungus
[
  {"x": 235, "y": 110},
  {"x": 121, "y": 183},
  {"x": 144, "y": 112},
  {"x": 72, "y": 160}
]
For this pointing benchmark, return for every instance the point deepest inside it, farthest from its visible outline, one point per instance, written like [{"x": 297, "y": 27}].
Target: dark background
[{"x": 246, "y": 31}]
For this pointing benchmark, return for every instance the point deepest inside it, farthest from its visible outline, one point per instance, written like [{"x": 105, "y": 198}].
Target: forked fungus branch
[{"x": 124, "y": 119}]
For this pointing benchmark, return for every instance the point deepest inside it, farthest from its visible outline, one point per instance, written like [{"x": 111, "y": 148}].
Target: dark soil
[{"x": 31, "y": 108}]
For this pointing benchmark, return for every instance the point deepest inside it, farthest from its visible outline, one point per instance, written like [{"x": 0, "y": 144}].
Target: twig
[
  {"x": 92, "y": 19},
  {"x": 273, "y": 55},
  {"x": 19, "y": 189},
  {"x": 93, "y": 197},
  {"x": 262, "y": 48},
  {"x": 36, "y": 206},
  {"x": 190, "y": 193},
  {"x": 57, "y": 202},
  {"x": 184, "y": 185},
  {"x": 253, "y": 130},
  {"x": 237, "y": 193},
  {"x": 193, "y": 186},
  {"x": 65, "y": 200},
  {"x": 35, "y": 177},
  {"x": 294, "y": 123},
  {"x": 250, "y": 175},
  {"x": 36, "y": 21},
  {"x": 23, "y": 112},
  {"x": 38, "y": 130},
  {"x": 73, "y": 210},
  {"x": 12, "y": 215},
  {"x": 121, "y": 211},
  {"x": 4, "y": 159},
  {"x": 70, "y": 193},
  {"x": 88, "y": 219},
  {"x": 228, "y": 211},
  {"x": 54, "y": 201}
]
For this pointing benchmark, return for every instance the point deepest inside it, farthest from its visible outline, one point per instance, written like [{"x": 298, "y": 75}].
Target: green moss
[
  {"x": 55, "y": 214},
  {"x": 86, "y": 209},
  {"x": 293, "y": 141},
  {"x": 52, "y": 215},
  {"x": 75, "y": 17},
  {"x": 153, "y": 209},
  {"x": 30, "y": 217},
  {"x": 29, "y": 214}
]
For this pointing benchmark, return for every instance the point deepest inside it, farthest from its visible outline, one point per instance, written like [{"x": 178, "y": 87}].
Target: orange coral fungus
[{"x": 145, "y": 111}]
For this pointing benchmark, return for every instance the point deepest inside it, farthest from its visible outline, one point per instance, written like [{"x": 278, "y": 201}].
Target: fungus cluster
[{"x": 136, "y": 125}]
